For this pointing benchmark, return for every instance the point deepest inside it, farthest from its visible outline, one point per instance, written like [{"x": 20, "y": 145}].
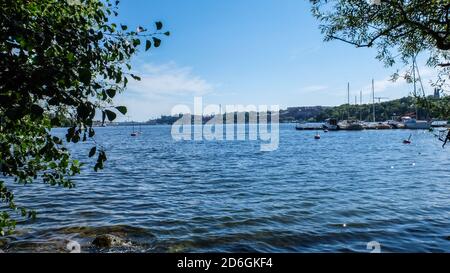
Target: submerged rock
[
  {"x": 2, "y": 244},
  {"x": 108, "y": 240}
]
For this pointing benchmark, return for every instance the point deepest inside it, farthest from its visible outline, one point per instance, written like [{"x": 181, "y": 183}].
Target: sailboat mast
[
  {"x": 360, "y": 103},
  {"x": 373, "y": 99},
  {"x": 414, "y": 83},
  {"x": 423, "y": 90},
  {"x": 348, "y": 101}
]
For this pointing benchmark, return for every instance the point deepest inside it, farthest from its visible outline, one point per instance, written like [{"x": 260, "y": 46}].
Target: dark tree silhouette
[{"x": 59, "y": 60}]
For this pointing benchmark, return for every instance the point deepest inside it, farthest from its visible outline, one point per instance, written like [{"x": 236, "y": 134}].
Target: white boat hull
[{"x": 418, "y": 125}]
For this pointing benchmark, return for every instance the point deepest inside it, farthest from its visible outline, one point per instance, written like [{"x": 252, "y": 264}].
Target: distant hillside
[
  {"x": 383, "y": 111},
  {"x": 304, "y": 113},
  {"x": 393, "y": 109}
]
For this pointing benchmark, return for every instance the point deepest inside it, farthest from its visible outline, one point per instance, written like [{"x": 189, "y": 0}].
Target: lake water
[{"x": 335, "y": 194}]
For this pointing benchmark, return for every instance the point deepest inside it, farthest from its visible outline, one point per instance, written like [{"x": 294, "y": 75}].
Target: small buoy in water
[
  {"x": 414, "y": 164},
  {"x": 344, "y": 225},
  {"x": 325, "y": 130},
  {"x": 317, "y": 136},
  {"x": 392, "y": 167}
]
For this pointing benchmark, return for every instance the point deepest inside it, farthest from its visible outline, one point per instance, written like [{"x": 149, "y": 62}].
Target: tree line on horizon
[{"x": 393, "y": 109}]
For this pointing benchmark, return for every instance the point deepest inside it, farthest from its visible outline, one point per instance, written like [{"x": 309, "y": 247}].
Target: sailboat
[
  {"x": 134, "y": 133},
  {"x": 412, "y": 123},
  {"x": 348, "y": 124},
  {"x": 415, "y": 123}
]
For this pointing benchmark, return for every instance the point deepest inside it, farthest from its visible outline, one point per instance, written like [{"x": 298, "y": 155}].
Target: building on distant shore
[{"x": 437, "y": 93}]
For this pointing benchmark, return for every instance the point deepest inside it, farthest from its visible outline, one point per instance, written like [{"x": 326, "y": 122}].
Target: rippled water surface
[{"x": 333, "y": 194}]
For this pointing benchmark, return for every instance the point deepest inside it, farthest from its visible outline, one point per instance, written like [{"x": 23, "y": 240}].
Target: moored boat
[
  {"x": 309, "y": 126},
  {"x": 350, "y": 125},
  {"x": 411, "y": 123},
  {"x": 331, "y": 124},
  {"x": 439, "y": 123},
  {"x": 377, "y": 125}
]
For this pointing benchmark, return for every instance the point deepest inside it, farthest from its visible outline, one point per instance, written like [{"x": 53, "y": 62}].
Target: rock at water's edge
[{"x": 107, "y": 240}]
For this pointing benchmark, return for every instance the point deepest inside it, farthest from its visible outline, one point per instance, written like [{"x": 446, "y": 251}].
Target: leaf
[
  {"x": 83, "y": 111},
  {"x": 102, "y": 156},
  {"x": 118, "y": 76},
  {"x": 98, "y": 166},
  {"x": 70, "y": 133},
  {"x": 136, "y": 42},
  {"x": 111, "y": 92},
  {"x": 36, "y": 111},
  {"x": 55, "y": 121},
  {"x": 70, "y": 56},
  {"x": 103, "y": 117},
  {"x": 159, "y": 25},
  {"x": 137, "y": 78},
  {"x": 140, "y": 29},
  {"x": 156, "y": 42},
  {"x": 124, "y": 27},
  {"x": 122, "y": 109},
  {"x": 85, "y": 76},
  {"x": 92, "y": 151},
  {"x": 91, "y": 132},
  {"x": 104, "y": 96},
  {"x": 14, "y": 113},
  {"x": 111, "y": 115},
  {"x": 148, "y": 44}
]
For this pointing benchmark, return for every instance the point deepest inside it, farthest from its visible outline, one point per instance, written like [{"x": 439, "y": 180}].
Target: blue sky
[{"x": 246, "y": 52}]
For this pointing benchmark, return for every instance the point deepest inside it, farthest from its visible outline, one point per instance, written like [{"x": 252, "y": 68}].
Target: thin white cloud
[
  {"x": 168, "y": 79},
  {"x": 161, "y": 87}
]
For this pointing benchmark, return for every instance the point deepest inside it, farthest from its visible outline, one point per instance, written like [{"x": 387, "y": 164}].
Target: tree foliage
[
  {"x": 59, "y": 60},
  {"x": 394, "y": 109},
  {"x": 398, "y": 29}
]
